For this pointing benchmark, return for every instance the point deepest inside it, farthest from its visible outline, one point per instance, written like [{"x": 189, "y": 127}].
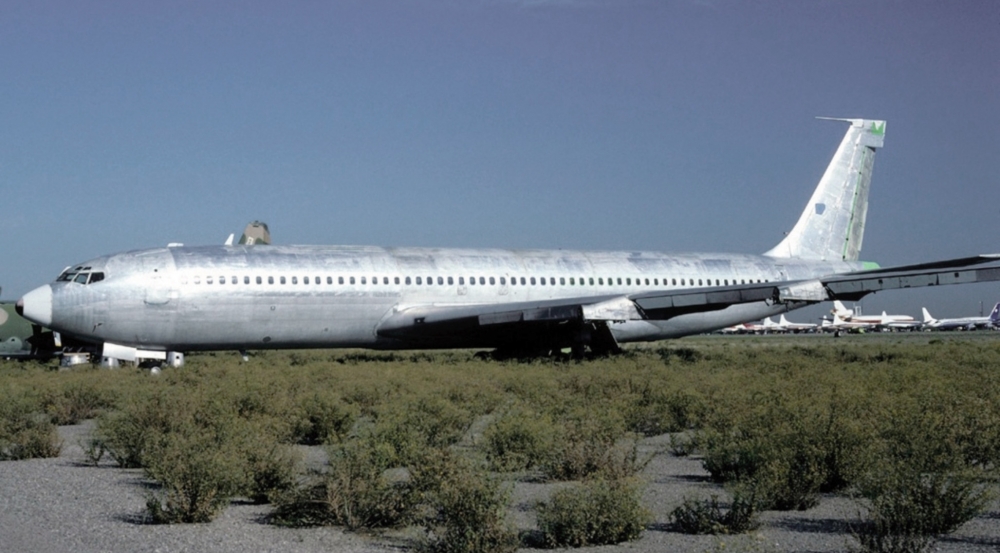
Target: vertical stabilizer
[
  {"x": 927, "y": 316},
  {"x": 832, "y": 225}
]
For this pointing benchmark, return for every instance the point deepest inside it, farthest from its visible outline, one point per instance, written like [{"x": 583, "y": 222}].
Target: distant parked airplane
[
  {"x": 838, "y": 324},
  {"x": 795, "y": 327},
  {"x": 962, "y": 323},
  {"x": 879, "y": 320},
  {"x": 156, "y": 304}
]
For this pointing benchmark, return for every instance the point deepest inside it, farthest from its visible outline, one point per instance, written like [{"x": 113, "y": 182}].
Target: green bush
[
  {"x": 658, "y": 411},
  {"x": 596, "y": 512},
  {"x": 520, "y": 439},
  {"x": 356, "y": 492},
  {"x": 25, "y": 432},
  {"x": 197, "y": 475},
  {"x": 322, "y": 419},
  {"x": 129, "y": 434},
  {"x": 592, "y": 444},
  {"x": 469, "y": 509},
  {"x": 777, "y": 447},
  {"x": 76, "y": 400},
  {"x": 271, "y": 469},
  {"x": 905, "y": 510},
  {"x": 707, "y": 517}
]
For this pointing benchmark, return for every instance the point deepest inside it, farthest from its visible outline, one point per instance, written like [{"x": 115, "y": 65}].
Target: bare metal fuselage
[{"x": 249, "y": 297}]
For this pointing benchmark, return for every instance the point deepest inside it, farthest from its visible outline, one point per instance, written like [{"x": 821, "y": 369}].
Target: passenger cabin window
[
  {"x": 363, "y": 280},
  {"x": 305, "y": 280},
  {"x": 295, "y": 280},
  {"x": 492, "y": 281},
  {"x": 270, "y": 280},
  {"x": 407, "y": 281},
  {"x": 461, "y": 281},
  {"x": 340, "y": 280},
  {"x": 259, "y": 280},
  {"x": 352, "y": 280},
  {"x": 246, "y": 280},
  {"x": 451, "y": 281},
  {"x": 208, "y": 280}
]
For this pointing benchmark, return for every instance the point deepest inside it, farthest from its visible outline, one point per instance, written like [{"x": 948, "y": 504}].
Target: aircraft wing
[
  {"x": 556, "y": 321},
  {"x": 496, "y": 324}
]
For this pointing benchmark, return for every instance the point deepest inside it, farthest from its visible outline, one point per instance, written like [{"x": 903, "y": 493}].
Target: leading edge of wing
[{"x": 965, "y": 270}]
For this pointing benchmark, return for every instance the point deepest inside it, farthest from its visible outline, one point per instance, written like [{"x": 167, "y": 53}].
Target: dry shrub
[
  {"x": 356, "y": 491},
  {"x": 469, "y": 508},
  {"x": 518, "y": 440},
  {"x": 25, "y": 432},
  {"x": 596, "y": 512},
  {"x": 707, "y": 516},
  {"x": 593, "y": 443}
]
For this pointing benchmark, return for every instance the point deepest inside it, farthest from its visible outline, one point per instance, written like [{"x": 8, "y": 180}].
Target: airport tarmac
[{"x": 63, "y": 504}]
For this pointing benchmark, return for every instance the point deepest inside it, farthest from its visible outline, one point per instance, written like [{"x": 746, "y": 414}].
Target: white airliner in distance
[
  {"x": 963, "y": 323},
  {"x": 789, "y": 326},
  {"x": 839, "y": 324},
  {"x": 900, "y": 321},
  {"x": 157, "y": 304}
]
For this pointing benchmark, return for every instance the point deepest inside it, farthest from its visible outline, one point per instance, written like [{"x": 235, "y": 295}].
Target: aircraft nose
[{"x": 36, "y": 305}]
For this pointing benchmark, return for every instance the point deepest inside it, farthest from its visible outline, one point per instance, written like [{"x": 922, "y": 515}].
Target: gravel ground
[{"x": 62, "y": 504}]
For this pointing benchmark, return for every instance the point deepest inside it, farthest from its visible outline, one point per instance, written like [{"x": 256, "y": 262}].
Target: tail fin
[
  {"x": 995, "y": 315},
  {"x": 832, "y": 225},
  {"x": 927, "y": 315}
]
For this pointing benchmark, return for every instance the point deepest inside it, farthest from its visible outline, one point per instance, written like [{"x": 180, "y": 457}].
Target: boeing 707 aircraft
[
  {"x": 157, "y": 304},
  {"x": 962, "y": 323}
]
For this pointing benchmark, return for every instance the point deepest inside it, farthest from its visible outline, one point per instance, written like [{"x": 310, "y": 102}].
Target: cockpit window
[{"x": 81, "y": 277}]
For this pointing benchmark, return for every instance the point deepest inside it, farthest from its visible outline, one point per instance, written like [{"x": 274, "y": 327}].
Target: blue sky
[{"x": 639, "y": 125}]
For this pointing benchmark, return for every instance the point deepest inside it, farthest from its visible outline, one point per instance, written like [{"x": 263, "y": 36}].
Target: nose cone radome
[{"x": 36, "y": 305}]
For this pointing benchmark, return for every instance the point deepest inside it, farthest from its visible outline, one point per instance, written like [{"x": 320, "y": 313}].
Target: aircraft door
[{"x": 160, "y": 296}]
